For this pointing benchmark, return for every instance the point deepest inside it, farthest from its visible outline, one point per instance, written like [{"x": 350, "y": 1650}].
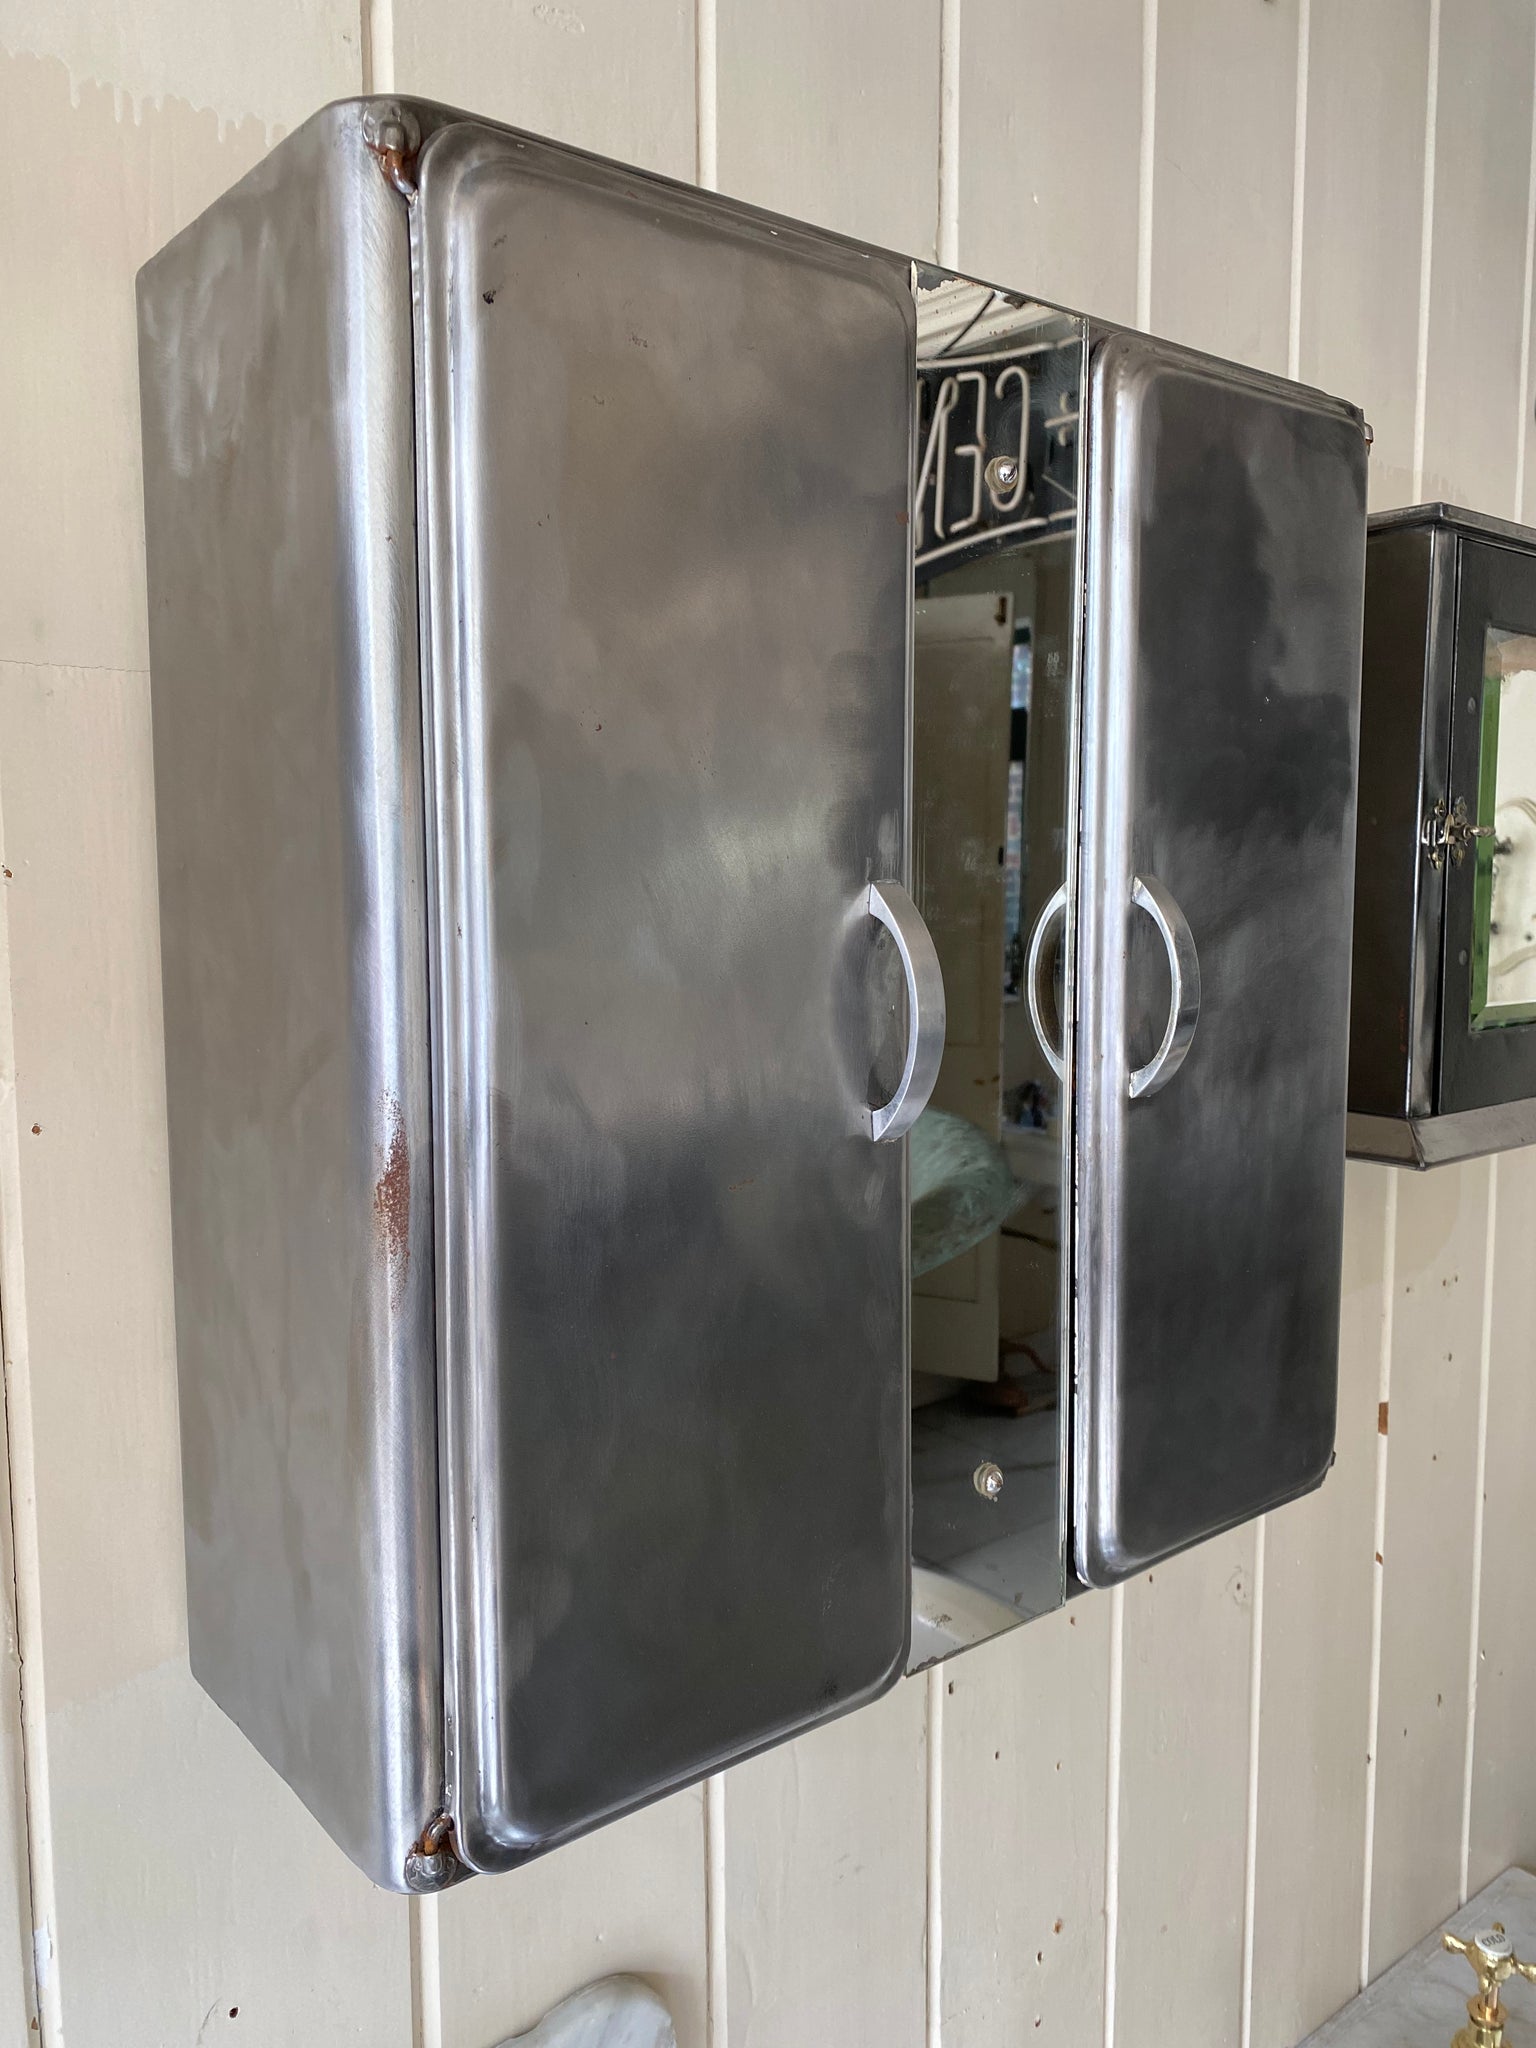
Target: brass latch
[
  {"x": 1448, "y": 829},
  {"x": 1493, "y": 1958}
]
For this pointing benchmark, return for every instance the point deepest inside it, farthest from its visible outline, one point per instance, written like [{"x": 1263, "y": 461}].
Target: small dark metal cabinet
[{"x": 1442, "y": 1055}]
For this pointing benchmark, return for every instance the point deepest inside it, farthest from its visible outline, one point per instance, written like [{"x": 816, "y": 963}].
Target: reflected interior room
[{"x": 994, "y": 675}]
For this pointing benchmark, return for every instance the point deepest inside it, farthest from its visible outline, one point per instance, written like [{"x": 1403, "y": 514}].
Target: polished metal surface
[
  {"x": 667, "y": 464},
  {"x": 1424, "y": 1141},
  {"x": 1148, "y": 894},
  {"x": 275, "y": 360},
  {"x": 891, "y": 906},
  {"x": 1226, "y": 533},
  {"x": 1052, "y": 917}
]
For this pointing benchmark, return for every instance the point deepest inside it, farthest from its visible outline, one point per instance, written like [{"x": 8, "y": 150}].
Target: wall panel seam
[
  {"x": 15, "y": 1357},
  {"x": 426, "y": 1972},
  {"x": 1373, "y": 1707},
  {"x": 1251, "y": 1844},
  {"x": 378, "y": 45},
  {"x": 716, "y": 1955},
  {"x": 1299, "y": 188},
  {"x": 1426, "y": 249},
  {"x": 1112, "y": 1767},
  {"x": 1148, "y": 147},
  {"x": 706, "y": 87},
  {"x": 947, "y": 240},
  {"x": 933, "y": 2017},
  {"x": 1522, "y": 423},
  {"x": 1475, "y": 1602}
]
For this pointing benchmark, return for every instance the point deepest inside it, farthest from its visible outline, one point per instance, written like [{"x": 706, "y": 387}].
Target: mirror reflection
[
  {"x": 994, "y": 667},
  {"x": 1504, "y": 900}
]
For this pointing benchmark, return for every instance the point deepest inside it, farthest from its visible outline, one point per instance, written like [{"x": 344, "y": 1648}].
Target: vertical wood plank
[
  {"x": 1038, "y": 210},
  {"x": 1222, "y": 158},
  {"x": 825, "y": 1871},
  {"x": 1309, "y": 1849},
  {"x": 152, "y": 1794},
  {"x": 1184, "y": 1797},
  {"x": 1476, "y": 313},
  {"x": 831, "y": 114},
  {"x": 615, "y": 76},
  {"x": 1503, "y": 1816},
  {"x": 1367, "y": 78},
  {"x": 186, "y": 1880},
  {"x": 1356, "y": 332},
  {"x": 629, "y": 1898},
  {"x": 1223, "y": 152},
  {"x": 1025, "y": 1737},
  {"x": 1436, "y": 1338},
  {"x": 1473, "y": 343}
]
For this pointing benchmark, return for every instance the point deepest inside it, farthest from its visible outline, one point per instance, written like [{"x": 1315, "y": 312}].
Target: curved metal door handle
[
  {"x": 1148, "y": 894},
  {"x": 1052, "y": 913},
  {"x": 891, "y": 906}
]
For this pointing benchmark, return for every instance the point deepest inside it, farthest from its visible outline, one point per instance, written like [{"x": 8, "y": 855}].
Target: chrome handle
[
  {"x": 1148, "y": 894},
  {"x": 1052, "y": 913},
  {"x": 890, "y": 905}
]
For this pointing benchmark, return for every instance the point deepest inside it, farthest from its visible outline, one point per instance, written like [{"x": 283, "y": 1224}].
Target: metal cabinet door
[
  {"x": 667, "y": 461},
  {"x": 1221, "y": 690}
]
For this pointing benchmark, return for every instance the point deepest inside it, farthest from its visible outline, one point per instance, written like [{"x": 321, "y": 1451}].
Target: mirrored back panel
[{"x": 996, "y": 550}]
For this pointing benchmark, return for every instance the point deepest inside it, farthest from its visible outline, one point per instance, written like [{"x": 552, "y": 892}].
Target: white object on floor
[
  {"x": 1422, "y": 2000},
  {"x": 619, "y": 2012}
]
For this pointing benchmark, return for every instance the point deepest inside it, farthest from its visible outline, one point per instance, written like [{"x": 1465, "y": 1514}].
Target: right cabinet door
[{"x": 1226, "y": 547}]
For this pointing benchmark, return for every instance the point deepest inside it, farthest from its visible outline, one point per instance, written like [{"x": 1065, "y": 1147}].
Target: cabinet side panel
[
  {"x": 275, "y": 363},
  {"x": 1382, "y": 1025}
]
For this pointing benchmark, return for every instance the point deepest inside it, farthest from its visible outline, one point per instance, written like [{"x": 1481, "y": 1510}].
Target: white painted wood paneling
[
  {"x": 90, "y": 188},
  {"x": 1224, "y": 144},
  {"x": 1309, "y": 1847},
  {"x": 187, "y": 1876},
  {"x": 826, "y": 1874},
  {"x": 1367, "y": 76},
  {"x": 1476, "y": 307},
  {"x": 615, "y": 76},
  {"x": 1432, "y": 1462},
  {"x": 1049, "y": 174},
  {"x": 1026, "y": 1728},
  {"x": 185, "y": 1883},
  {"x": 1183, "y": 1797},
  {"x": 831, "y": 113},
  {"x": 628, "y": 1899}
]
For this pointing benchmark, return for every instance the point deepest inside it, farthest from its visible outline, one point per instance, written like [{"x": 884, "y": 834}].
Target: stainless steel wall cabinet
[
  {"x": 1442, "y": 1054},
  {"x": 582, "y": 608}
]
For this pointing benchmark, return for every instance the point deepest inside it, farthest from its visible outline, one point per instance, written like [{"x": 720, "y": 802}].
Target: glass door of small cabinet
[{"x": 1488, "y": 983}]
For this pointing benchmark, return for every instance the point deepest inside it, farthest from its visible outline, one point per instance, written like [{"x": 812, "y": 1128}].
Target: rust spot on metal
[
  {"x": 394, "y": 137},
  {"x": 392, "y": 1202},
  {"x": 1381, "y": 1418},
  {"x": 37, "y": 1130},
  {"x": 437, "y": 1834}
]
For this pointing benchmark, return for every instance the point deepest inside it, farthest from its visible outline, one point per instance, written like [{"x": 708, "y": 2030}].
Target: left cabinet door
[{"x": 666, "y": 462}]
